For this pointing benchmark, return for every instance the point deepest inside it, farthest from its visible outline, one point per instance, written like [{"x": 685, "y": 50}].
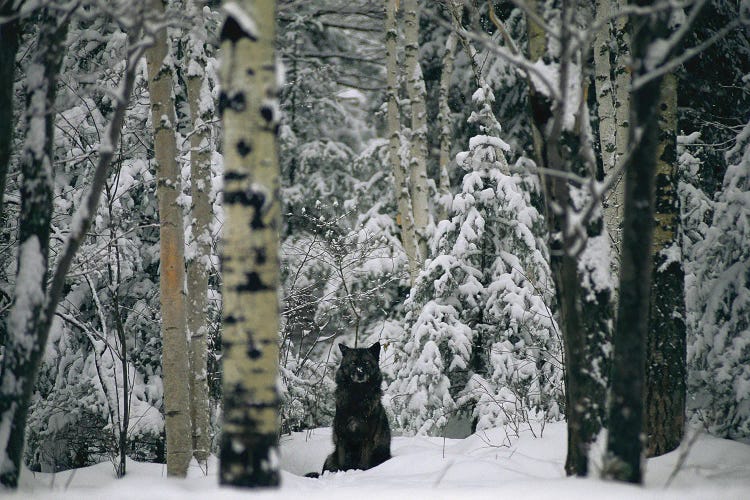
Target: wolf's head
[{"x": 359, "y": 365}]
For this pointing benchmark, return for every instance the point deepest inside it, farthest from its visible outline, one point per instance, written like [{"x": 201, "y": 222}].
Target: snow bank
[{"x": 477, "y": 467}]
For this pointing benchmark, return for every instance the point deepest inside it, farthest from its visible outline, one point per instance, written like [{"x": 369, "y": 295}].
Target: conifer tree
[{"x": 480, "y": 336}]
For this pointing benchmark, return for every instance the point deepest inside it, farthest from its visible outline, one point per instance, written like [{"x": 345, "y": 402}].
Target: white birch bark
[
  {"x": 614, "y": 209},
  {"x": 250, "y": 257},
  {"x": 418, "y": 161},
  {"x": 403, "y": 196},
  {"x": 175, "y": 360},
  {"x": 604, "y": 86}
]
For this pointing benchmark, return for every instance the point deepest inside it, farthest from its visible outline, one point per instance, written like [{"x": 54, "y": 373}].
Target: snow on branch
[{"x": 83, "y": 216}]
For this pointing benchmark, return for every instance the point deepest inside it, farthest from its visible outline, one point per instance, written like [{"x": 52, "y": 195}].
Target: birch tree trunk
[
  {"x": 406, "y": 215},
  {"x": 175, "y": 360},
  {"x": 666, "y": 348},
  {"x": 250, "y": 262},
  {"x": 9, "y": 34},
  {"x": 605, "y": 90},
  {"x": 444, "y": 191},
  {"x": 28, "y": 327},
  {"x": 612, "y": 84},
  {"x": 198, "y": 267},
  {"x": 418, "y": 162},
  {"x": 626, "y": 413}
]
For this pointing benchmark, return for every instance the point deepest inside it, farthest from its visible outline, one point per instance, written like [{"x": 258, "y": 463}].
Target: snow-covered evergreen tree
[
  {"x": 718, "y": 303},
  {"x": 480, "y": 333}
]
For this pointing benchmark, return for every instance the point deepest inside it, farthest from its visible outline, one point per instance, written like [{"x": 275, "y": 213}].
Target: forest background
[{"x": 442, "y": 194}]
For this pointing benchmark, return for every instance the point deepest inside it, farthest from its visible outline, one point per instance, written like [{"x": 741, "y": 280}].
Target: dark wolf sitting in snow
[{"x": 361, "y": 434}]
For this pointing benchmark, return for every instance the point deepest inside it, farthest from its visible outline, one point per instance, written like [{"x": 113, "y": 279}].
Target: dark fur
[{"x": 361, "y": 434}]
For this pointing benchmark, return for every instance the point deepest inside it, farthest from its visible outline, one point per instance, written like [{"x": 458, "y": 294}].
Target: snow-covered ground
[{"x": 478, "y": 467}]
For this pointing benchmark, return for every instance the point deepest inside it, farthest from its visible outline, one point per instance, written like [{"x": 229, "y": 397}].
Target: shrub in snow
[{"x": 480, "y": 334}]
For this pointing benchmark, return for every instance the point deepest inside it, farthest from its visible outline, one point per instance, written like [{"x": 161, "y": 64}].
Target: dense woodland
[{"x": 540, "y": 209}]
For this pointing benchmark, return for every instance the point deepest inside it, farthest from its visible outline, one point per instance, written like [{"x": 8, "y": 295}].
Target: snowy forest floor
[{"x": 478, "y": 467}]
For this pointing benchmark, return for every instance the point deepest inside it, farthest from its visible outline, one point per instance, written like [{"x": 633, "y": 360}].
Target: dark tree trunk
[
  {"x": 585, "y": 315},
  {"x": 8, "y": 50},
  {"x": 29, "y": 325},
  {"x": 666, "y": 348},
  {"x": 625, "y": 445}
]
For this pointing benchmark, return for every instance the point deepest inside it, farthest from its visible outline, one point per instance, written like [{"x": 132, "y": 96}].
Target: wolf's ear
[
  {"x": 343, "y": 348},
  {"x": 375, "y": 350}
]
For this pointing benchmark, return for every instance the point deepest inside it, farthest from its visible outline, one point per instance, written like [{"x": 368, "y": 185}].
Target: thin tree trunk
[
  {"x": 175, "y": 358},
  {"x": 24, "y": 349},
  {"x": 445, "y": 119},
  {"x": 620, "y": 85},
  {"x": 250, "y": 260},
  {"x": 198, "y": 266},
  {"x": 418, "y": 161},
  {"x": 624, "y": 444},
  {"x": 406, "y": 215},
  {"x": 28, "y": 326},
  {"x": 8, "y": 49},
  {"x": 666, "y": 349}
]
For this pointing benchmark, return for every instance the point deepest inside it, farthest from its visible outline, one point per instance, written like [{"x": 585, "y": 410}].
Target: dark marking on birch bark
[
  {"x": 233, "y": 32},
  {"x": 260, "y": 255},
  {"x": 267, "y": 113},
  {"x": 235, "y": 176},
  {"x": 253, "y": 352},
  {"x": 244, "y": 148},
  {"x": 257, "y": 200},
  {"x": 252, "y": 283},
  {"x": 235, "y": 101}
]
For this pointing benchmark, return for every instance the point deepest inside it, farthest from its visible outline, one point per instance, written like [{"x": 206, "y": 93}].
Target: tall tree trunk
[
  {"x": 624, "y": 444},
  {"x": 666, "y": 348},
  {"x": 445, "y": 119},
  {"x": 198, "y": 266},
  {"x": 171, "y": 250},
  {"x": 28, "y": 325},
  {"x": 620, "y": 94},
  {"x": 403, "y": 195},
  {"x": 585, "y": 312},
  {"x": 250, "y": 261},
  {"x": 418, "y": 159},
  {"x": 8, "y": 49}
]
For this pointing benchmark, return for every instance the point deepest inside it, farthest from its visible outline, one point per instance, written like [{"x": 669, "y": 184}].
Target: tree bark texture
[
  {"x": 625, "y": 443},
  {"x": 666, "y": 348},
  {"x": 619, "y": 85},
  {"x": 418, "y": 161},
  {"x": 198, "y": 266},
  {"x": 9, "y": 39},
  {"x": 28, "y": 326},
  {"x": 250, "y": 261},
  {"x": 400, "y": 178},
  {"x": 175, "y": 358}
]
